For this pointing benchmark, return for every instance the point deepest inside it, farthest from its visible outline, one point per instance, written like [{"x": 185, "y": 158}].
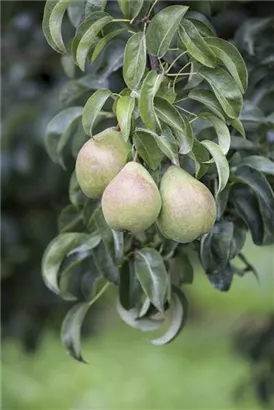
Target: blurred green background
[{"x": 221, "y": 359}]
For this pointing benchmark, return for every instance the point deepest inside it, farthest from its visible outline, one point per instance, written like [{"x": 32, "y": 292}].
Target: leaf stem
[
  {"x": 174, "y": 61},
  {"x": 121, "y": 20},
  {"x": 183, "y": 109},
  {"x": 151, "y": 8},
  {"x": 99, "y": 294}
]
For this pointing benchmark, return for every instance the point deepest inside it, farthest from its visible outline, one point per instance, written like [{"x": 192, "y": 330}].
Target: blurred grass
[{"x": 197, "y": 371}]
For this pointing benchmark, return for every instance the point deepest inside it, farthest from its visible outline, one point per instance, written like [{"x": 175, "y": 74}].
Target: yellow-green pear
[
  {"x": 132, "y": 200},
  {"x": 188, "y": 207},
  {"x": 99, "y": 161}
]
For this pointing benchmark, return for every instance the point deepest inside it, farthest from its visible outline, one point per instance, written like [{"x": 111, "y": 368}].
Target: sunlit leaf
[
  {"x": 147, "y": 148},
  {"x": 52, "y": 23},
  {"x": 113, "y": 31},
  {"x": 221, "y": 129},
  {"x": 148, "y": 91},
  {"x": 130, "y": 9},
  {"x": 134, "y": 60},
  {"x": 162, "y": 29},
  {"x": 93, "y": 107},
  {"x": 208, "y": 98},
  {"x": 124, "y": 109}
]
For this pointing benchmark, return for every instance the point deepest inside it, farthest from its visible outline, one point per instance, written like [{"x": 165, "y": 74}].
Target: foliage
[{"x": 184, "y": 96}]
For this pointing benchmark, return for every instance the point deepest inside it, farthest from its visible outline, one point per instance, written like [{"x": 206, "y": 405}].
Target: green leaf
[
  {"x": 237, "y": 124},
  {"x": 151, "y": 272},
  {"x": 88, "y": 39},
  {"x": 70, "y": 220},
  {"x": 130, "y": 317},
  {"x": 129, "y": 287},
  {"x": 90, "y": 206},
  {"x": 124, "y": 110},
  {"x": 71, "y": 330},
  {"x": 147, "y": 148},
  {"x": 93, "y": 107},
  {"x": 118, "y": 239},
  {"x": 195, "y": 44},
  {"x": 114, "y": 32},
  {"x": 225, "y": 89},
  {"x": 148, "y": 91},
  {"x": 204, "y": 28},
  {"x": 231, "y": 59},
  {"x": 208, "y": 98},
  {"x": 238, "y": 143},
  {"x": 162, "y": 29},
  {"x": 221, "y": 129},
  {"x": 178, "y": 122},
  {"x": 68, "y": 65},
  {"x": 259, "y": 163},
  {"x": 105, "y": 232},
  {"x": 221, "y": 163},
  {"x": 52, "y": 23},
  {"x": 134, "y": 60},
  {"x": 165, "y": 91},
  {"x": 76, "y": 195},
  {"x": 200, "y": 156},
  {"x": 58, "y": 249},
  {"x": 181, "y": 270},
  {"x": 168, "y": 144},
  {"x": 59, "y": 131},
  {"x": 130, "y": 9},
  {"x": 178, "y": 312},
  {"x": 95, "y": 5}
]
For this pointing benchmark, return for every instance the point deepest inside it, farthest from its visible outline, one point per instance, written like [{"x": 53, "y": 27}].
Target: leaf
[
  {"x": 70, "y": 220},
  {"x": 95, "y": 5},
  {"x": 90, "y": 206},
  {"x": 58, "y": 249},
  {"x": 225, "y": 89},
  {"x": 259, "y": 163},
  {"x": 76, "y": 12},
  {"x": 221, "y": 129},
  {"x": 130, "y": 9},
  {"x": 247, "y": 207},
  {"x": 165, "y": 91},
  {"x": 92, "y": 109},
  {"x": 130, "y": 317},
  {"x": 129, "y": 287},
  {"x": 59, "y": 130},
  {"x": 208, "y": 98},
  {"x": 181, "y": 270},
  {"x": 231, "y": 59},
  {"x": 71, "y": 330},
  {"x": 195, "y": 44},
  {"x": 68, "y": 65},
  {"x": 151, "y": 272},
  {"x": 222, "y": 279},
  {"x": 178, "y": 312},
  {"x": 204, "y": 28},
  {"x": 238, "y": 143},
  {"x": 134, "y": 60},
  {"x": 89, "y": 38},
  {"x": 162, "y": 29},
  {"x": 76, "y": 195},
  {"x": 124, "y": 110},
  {"x": 167, "y": 144},
  {"x": 52, "y": 22},
  {"x": 148, "y": 91},
  {"x": 147, "y": 148},
  {"x": 200, "y": 156},
  {"x": 178, "y": 122},
  {"x": 237, "y": 124},
  {"x": 116, "y": 30},
  {"x": 220, "y": 161},
  {"x": 118, "y": 238}
]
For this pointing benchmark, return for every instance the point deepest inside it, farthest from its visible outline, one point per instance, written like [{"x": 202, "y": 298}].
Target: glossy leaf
[
  {"x": 134, "y": 60},
  {"x": 178, "y": 122},
  {"x": 92, "y": 109},
  {"x": 59, "y": 130},
  {"x": 114, "y": 32},
  {"x": 52, "y": 23},
  {"x": 151, "y": 272},
  {"x": 178, "y": 315},
  {"x": 195, "y": 44},
  {"x": 130, "y": 9},
  {"x": 148, "y": 91},
  {"x": 124, "y": 110},
  {"x": 220, "y": 161},
  {"x": 162, "y": 29},
  {"x": 225, "y": 89},
  {"x": 221, "y": 129},
  {"x": 204, "y": 27},
  {"x": 58, "y": 249},
  {"x": 208, "y": 98},
  {"x": 71, "y": 330},
  {"x": 231, "y": 59},
  {"x": 147, "y": 148},
  {"x": 88, "y": 39}
]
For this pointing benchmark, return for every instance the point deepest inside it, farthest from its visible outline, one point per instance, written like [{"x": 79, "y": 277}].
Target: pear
[
  {"x": 132, "y": 200},
  {"x": 99, "y": 161},
  {"x": 188, "y": 207}
]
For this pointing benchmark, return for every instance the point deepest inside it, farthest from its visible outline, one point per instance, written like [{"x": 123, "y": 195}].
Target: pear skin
[
  {"x": 99, "y": 160},
  {"x": 132, "y": 200},
  {"x": 188, "y": 207}
]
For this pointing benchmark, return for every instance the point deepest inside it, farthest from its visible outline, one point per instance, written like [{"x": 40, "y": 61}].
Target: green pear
[
  {"x": 132, "y": 200},
  {"x": 188, "y": 207},
  {"x": 99, "y": 161}
]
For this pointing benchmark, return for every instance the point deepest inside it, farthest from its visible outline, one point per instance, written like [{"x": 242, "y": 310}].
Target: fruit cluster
[{"x": 182, "y": 207}]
